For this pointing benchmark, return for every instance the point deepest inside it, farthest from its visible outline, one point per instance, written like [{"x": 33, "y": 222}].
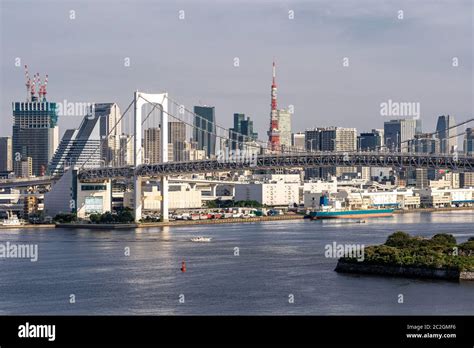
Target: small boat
[
  {"x": 12, "y": 220},
  {"x": 201, "y": 239}
]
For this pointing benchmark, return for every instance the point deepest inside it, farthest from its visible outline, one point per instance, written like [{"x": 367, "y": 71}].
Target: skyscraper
[
  {"x": 205, "y": 129},
  {"x": 152, "y": 145},
  {"x": 35, "y": 133},
  {"x": 242, "y": 134},
  {"x": 397, "y": 133},
  {"x": 446, "y": 133},
  {"x": 177, "y": 137},
  {"x": 338, "y": 139},
  {"x": 284, "y": 126},
  {"x": 372, "y": 141},
  {"x": 313, "y": 139},
  {"x": 6, "y": 164},
  {"x": 469, "y": 142},
  {"x": 110, "y": 130},
  {"x": 424, "y": 143}
]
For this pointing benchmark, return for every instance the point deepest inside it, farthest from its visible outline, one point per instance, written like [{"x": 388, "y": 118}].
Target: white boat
[
  {"x": 201, "y": 239},
  {"x": 11, "y": 220}
]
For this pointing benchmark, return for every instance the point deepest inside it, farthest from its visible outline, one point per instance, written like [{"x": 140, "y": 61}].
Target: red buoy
[{"x": 183, "y": 267}]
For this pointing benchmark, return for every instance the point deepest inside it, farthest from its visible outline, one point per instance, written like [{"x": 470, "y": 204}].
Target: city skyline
[{"x": 322, "y": 91}]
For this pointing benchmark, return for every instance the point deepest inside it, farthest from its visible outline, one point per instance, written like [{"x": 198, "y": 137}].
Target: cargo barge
[{"x": 350, "y": 214}]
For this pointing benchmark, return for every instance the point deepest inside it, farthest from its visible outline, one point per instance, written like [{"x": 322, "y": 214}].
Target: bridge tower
[{"x": 141, "y": 99}]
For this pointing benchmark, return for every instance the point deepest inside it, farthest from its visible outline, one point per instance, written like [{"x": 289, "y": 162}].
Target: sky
[{"x": 403, "y": 60}]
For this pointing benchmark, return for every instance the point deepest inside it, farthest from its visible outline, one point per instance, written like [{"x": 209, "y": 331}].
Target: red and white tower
[{"x": 274, "y": 133}]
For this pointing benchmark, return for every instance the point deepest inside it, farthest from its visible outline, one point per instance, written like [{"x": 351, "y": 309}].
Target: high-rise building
[
  {"x": 78, "y": 147},
  {"x": 424, "y": 143},
  {"x": 469, "y": 142},
  {"x": 397, "y": 133},
  {"x": 152, "y": 145},
  {"x": 330, "y": 139},
  {"x": 126, "y": 153},
  {"x": 313, "y": 139},
  {"x": 110, "y": 130},
  {"x": 205, "y": 129},
  {"x": 35, "y": 133},
  {"x": 446, "y": 133},
  {"x": 6, "y": 164},
  {"x": 284, "y": 126},
  {"x": 177, "y": 137},
  {"x": 23, "y": 167},
  {"x": 242, "y": 134},
  {"x": 338, "y": 139},
  {"x": 372, "y": 141},
  {"x": 298, "y": 142}
]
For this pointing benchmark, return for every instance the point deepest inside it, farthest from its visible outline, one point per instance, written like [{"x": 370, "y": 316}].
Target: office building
[
  {"x": 424, "y": 143},
  {"x": 469, "y": 142},
  {"x": 205, "y": 129},
  {"x": 177, "y": 137},
  {"x": 78, "y": 147},
  {"x": 446, "y": 133},
  {"x": 6, "y": 163},
  {"x": 298, "y": 142},
  {"x": 23, "y": 167},
  {"x": 372, "y": 141},
  {"x": 152, "y": 145},
  {"x": 284, "y": 127},
  {"x": 110, "y": 131},
  {"x": 397, "y": 133},
  {"x": 35, "y": 133},
  {"x": 242, "y": 135}
]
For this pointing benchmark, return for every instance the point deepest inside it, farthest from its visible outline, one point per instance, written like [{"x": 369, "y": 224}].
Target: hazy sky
[{"x": 406, "y": 60}]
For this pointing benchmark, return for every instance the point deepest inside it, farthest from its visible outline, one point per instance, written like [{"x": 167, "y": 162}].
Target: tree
[{"x": 398, "y": 239}]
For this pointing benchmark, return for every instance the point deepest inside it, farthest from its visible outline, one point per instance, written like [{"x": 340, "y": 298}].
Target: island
[{"x": 439, "y": 257}]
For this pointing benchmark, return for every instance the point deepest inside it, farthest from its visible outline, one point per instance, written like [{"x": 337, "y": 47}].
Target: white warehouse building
[{"x": 270, "y": 194}]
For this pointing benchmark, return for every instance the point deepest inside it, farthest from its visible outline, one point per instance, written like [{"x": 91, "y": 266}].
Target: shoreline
[
  {"x": 179, "y": 223},
  {"x": 393, "y": 270}
]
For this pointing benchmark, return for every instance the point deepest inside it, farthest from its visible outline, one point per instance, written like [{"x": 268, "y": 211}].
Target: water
[{"x": 275, "y": 259}]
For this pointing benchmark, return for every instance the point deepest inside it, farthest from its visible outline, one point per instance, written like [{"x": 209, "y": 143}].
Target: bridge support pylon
[{"x": 141, "y": 99}]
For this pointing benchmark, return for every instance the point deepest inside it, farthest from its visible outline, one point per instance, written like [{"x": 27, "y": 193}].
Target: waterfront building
[
  {"x": 446, "y": 197},
  {"x": 270, "y": 194},
  {"x": 397, "y": 133},
  {"x": 180, "y": 196},
  {"x": 205, "y": 129},
  {"x": 466, "y": 179},
  {"x": 446, "y": 133},
  {"x": 6, "y": 163},
  {"x": 421, "y": 178},
  {"x": 78, "y": 147},
  {"x": 69, "y": 195}
]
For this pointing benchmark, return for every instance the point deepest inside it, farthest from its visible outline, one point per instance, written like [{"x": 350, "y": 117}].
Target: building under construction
[{"x": 35, "y": 131}]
